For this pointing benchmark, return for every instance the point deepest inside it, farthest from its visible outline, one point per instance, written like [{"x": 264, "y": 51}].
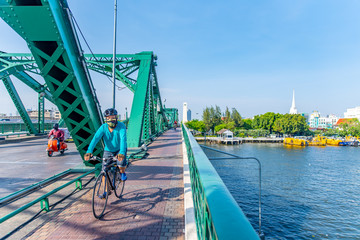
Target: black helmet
[
  {"x": 110, "y": 112},
  {"x": 56, "y": 126}
]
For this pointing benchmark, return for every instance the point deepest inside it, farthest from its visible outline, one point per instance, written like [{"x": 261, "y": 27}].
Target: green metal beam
[
  {"x": 138, "y": 121},
  {"x": 19, "y": 105},
  {"x": 154, "y": 117},
  {"x": 47, "y": 28}
]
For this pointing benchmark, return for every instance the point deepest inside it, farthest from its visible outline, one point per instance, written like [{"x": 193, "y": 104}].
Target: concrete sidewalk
[{"x": 152, "y": 206}]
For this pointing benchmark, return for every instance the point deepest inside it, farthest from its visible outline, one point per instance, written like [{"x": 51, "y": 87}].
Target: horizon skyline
[{"x": 196, "y": 113}]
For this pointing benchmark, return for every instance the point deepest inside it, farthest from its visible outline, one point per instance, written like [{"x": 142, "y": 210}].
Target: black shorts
[{"x": 108, "y": 154}]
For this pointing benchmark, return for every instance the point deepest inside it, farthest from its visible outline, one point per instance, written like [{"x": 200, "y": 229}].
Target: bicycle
[{"x": 105, "y": 183}]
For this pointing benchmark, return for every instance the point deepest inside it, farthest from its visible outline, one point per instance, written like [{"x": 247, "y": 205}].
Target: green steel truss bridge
[{"x": 56, "y": 55}]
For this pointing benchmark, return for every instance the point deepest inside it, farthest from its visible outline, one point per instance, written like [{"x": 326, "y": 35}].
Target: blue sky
[{"x": 244, "y": 54}]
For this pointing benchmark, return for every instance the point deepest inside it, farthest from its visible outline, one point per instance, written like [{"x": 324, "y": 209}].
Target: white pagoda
[{"x": 293, "y": 109}]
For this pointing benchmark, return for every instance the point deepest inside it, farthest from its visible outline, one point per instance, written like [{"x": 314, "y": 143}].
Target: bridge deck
[{"x": 152, "y": 206}]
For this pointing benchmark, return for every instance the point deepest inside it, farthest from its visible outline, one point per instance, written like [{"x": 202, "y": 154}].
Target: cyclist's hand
[
  {"x": 120, "y": 157},
  {"x": 87, "y": 156}
]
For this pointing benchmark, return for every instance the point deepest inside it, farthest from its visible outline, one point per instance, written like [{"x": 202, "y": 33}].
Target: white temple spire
[{"x": 293, "y": 109}]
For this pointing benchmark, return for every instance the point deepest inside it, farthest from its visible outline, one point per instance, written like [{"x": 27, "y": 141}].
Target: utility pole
[{"x": 114, "y": 55}]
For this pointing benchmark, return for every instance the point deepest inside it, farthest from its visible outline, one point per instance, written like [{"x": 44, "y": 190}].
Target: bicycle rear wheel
[
  {"x": 118, "y": 184},
  {"x": 100, "y": 196}
]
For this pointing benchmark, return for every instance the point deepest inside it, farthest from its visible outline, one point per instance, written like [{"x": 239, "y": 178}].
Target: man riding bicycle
[{"x": 113, "y": 132}]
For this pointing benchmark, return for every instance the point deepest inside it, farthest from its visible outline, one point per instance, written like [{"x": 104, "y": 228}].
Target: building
[
  {"x": 344, "y": 121},
  {"x": 352, "y": 113},
  {"x": 186, "y": 113},
  {"x": 225, "y": 134},
  {"x": 49, "y": 114},
  {"x": 293, "y": 109},
  {"x": 318, "y": 122},
  {"x": 314, "y": 119}
]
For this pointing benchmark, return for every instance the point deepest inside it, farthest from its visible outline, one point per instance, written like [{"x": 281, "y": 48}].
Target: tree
[
  {"x": 211, "y": 117},
  {"x": 265, "y": 121},
  {"x": 196, "y": 125},
  {"x": 219, "y": 127},
  {"x": 236, "y": 117},
  {"x": 227, "y": 115},
  {"x": 247, "y": 124},
  {"x": 207, "y": 118},
  {"x": 291, "y": 124},
  {"x": 350, "y": 127}
]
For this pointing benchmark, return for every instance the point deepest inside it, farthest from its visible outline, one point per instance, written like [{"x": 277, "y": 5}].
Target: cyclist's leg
[
  {"x": 122, "y": 164},
  {"x": 106, "y": 155},
  {"x": 122, "y": 167}
]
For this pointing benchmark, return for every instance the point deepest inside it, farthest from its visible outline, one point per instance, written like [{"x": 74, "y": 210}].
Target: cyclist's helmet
[
  {"x": 56, "y": 126},
  {"x": 110, "y": 112}
]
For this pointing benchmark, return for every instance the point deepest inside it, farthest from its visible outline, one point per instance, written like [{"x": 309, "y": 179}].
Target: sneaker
[
  {"x": 123, "y": 177},
  {"x": 102, "y": 196}
]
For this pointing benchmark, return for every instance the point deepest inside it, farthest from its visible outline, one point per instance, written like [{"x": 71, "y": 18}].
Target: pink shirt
[{"x": 58, "y": 134}]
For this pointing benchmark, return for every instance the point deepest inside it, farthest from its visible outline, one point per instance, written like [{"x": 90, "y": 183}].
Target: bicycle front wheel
[
  {"x": 100, "y": 196},
  {"x": 118, "y": 184}
]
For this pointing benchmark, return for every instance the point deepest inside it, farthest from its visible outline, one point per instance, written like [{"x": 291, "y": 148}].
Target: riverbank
[{"x": 238, "y": 140}]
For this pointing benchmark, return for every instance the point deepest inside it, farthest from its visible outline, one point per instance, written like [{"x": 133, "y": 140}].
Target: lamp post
[
  {"x": 41, "y": 111},
  {"x": 114, "y": 55}
]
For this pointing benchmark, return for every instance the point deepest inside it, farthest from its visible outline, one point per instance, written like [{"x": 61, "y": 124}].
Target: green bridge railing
[
  {"x": 217, "y": 214},
  {"x": 6, "y": 127}
]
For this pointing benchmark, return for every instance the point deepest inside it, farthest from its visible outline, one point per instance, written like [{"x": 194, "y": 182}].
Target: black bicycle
[{"x": 108, "y": 180}]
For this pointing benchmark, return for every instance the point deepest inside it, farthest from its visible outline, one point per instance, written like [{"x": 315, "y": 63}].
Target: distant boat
[
  {"x": 333, "y": 142},
  {"x": 318, "y": 141},
  {"x": 349, "y": 143},
  {"x": 296, "y": 142}
]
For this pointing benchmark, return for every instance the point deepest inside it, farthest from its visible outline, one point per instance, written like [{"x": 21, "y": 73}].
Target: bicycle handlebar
[{"x": 108, "y": 161}]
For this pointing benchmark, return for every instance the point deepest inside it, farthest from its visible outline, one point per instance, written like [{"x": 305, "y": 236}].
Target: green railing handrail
[
  {"x": 44, "y": 198},
  {"x": 14, "y": 127},
  {"x": 217, "y": 214}
]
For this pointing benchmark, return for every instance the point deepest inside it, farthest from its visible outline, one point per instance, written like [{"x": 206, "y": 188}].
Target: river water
[{"x": 307, "y": 193}]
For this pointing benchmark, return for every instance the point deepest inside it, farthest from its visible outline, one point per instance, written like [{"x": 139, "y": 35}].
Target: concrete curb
[
  {"x": 21, "y": 139},
  {"x": 190, "y": 224}
]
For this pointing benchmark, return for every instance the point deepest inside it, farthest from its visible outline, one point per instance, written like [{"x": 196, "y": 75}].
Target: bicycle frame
[{"x": 106, "y": 168}]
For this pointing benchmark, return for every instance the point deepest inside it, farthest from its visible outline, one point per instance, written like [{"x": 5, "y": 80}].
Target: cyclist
[
  {"x": 175, "y": 124},
  {"x": 113, "y": 133},
  {"x": 58, "y": 134}
]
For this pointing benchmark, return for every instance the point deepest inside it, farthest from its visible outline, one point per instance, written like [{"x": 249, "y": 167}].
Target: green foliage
[
  {"x": 219, "y": 127},
  {"x": 264, "y": 124},
  {"x": 207, "y": 119},
  {"x": 251, "y": 133},
  {"x": 230, "y": 126},
  {"x": 211, "y": 117},
  {"x": 331, "y": 132},
  {"x": 227, "y": 116},
  {"x": 196, "y": 125},
  {"x": 265, "y": 121},
  {"x": 236, "y": 118},
  {"x": 247, "y": 124},
  {"x": 350, "y": 127},
  {"x": 291, "y": 124}
]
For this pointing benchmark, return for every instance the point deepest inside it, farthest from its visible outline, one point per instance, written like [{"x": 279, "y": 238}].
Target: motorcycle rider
[
  {"x": 58, "y": 134},
  {"x": 113, "y": 132}
]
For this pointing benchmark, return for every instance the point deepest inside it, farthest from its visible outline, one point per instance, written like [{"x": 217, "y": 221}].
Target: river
[{"x": 307, "y": 193}]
